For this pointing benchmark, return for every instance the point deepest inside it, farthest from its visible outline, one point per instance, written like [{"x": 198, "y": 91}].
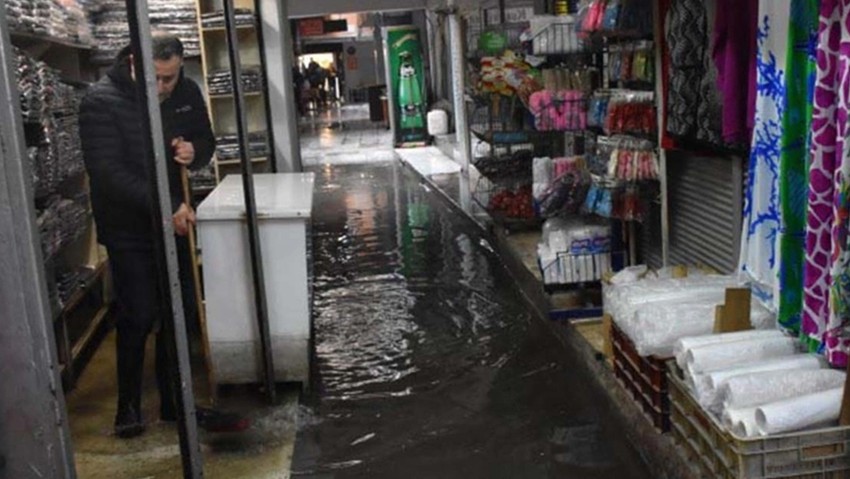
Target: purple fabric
[
  {"x": 826, "y": 307},
  {"x": 734, "y": 52}
]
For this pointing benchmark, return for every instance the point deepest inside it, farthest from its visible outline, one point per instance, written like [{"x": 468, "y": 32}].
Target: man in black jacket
[{"x": 111, "y": 133}]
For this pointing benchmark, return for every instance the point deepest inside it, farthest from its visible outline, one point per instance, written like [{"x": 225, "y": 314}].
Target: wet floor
[{"x": 429, "y": 363}]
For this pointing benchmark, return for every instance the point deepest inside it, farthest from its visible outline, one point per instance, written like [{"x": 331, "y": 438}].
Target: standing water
[{"x": 428, "y": 360}]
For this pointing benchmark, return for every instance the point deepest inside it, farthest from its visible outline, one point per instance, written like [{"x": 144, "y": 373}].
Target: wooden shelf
[
  {"x": 75, "y": 298},
  {"x": 230, "y": 95},
  {"x": 236, "y": 162},
  {"x": 222, "y": 29},
  {"x": 28, "y": 39},
  {"x": 89, "y": 333}
]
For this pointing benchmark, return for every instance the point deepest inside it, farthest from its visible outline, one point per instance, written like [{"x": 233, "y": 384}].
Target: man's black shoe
[{"x": 128, "y": 422}]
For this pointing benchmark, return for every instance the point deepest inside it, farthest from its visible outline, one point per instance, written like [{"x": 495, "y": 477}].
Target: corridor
[{"x": 428, "y": 361}]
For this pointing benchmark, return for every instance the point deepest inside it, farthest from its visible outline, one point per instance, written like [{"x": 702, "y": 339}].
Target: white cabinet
[{"x": 284, "y": 205}]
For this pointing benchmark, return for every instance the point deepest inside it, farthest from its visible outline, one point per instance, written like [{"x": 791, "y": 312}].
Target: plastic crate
[
  {"x": 822, "y": 453},
  {"x": 642, "y": 377}
]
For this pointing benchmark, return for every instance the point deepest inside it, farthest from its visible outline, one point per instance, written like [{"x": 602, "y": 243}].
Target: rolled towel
[
  {"x": 714, "y": 357},
  {"x": 741, "y": 422},
  {"x": 683, "y": 345},
  {"x": 766, "y": 387},
  {"x": 802, "y": 412},
  {"x": 706, "y": 385}
]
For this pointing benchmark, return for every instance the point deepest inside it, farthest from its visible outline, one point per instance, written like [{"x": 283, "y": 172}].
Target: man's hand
[
  {"x": 183, "y": 219},
  {"x": 184, "y": 151}
]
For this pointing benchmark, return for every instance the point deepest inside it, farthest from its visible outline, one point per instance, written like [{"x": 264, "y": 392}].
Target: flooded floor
[{"x": 428, "y": 361}]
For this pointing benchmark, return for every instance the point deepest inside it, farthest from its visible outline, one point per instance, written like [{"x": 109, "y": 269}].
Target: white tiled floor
[{"x": 344, "y": 135}]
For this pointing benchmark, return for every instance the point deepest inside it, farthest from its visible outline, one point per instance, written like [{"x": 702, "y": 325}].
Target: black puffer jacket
[{"x": 111, "y": 133}]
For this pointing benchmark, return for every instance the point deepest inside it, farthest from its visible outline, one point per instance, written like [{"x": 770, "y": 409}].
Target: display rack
[
  {"x": 75, "y": 265},
  {"x": 214, "y": 58}
]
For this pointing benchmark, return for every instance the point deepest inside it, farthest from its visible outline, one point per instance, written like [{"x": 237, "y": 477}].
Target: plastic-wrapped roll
[
  {"x": 706, "y": 385},
  {"x": 715, "y": 357},
  {"x": 741, "y": 422},
  {"x": 684, "y": 345},
  {"x": 767, "y": 387},
  {"x": 658, "y": 326},
  {"x": 802, "y": 412}
]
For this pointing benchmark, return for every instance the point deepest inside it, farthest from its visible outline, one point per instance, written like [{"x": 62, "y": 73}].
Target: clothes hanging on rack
[
  {"x": 826, "y": 283},
  {"x": 709, "y": 111},
  {"x": 734, "y": 53},
  {"x": 759, "y": 255},
  {"x": 687, "y": 41},
  {"x": 800, "y": 77}
]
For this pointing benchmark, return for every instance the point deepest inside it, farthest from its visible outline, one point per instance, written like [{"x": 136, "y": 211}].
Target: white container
[
  {"x": 438, "y": 122},
  {"x": 284, "y": 205}
]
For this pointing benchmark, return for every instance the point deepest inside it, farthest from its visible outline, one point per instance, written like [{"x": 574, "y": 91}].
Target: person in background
[{"x": 122, "y": 201}]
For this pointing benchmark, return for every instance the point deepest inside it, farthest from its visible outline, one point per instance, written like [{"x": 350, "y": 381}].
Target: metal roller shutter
[{"x": 705, "y": 195}]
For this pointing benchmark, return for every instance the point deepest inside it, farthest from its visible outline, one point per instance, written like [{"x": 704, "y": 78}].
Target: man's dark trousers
[{"x": 139, "y": 312}]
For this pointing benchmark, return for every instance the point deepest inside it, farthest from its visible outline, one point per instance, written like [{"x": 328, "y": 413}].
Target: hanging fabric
[
  {"x": 710, "y": 111},
  {"x": 734, "y": 53},
  {"x": 686, "y": 39},
  {"x": 759, "y": 255},
  {"x": 825, "y": 308},
  {"x": 800, "y": 77}
]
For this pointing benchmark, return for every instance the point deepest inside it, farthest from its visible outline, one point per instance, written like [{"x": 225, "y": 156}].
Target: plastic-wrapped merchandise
[
  {"x": 741, "y": 422},
  {"x": 542, "y": 171},
  {"x": 760, "y": 388},
  {"x": 802, "y": 412},
  {"x": 112, "y": 32},
  {"x": 715, "y": 357},
  {"x": 220, "y": 82},
  {"x": 566, "y": 193},
  {"x": 706, "y": 385},
  {"x": 685, "y": 344},
  {"x": 243, "y": 17},
  {"x": 621, "y": 302},
  {"x": 56, "y": 152},
  {"x": 629, "y": 274},
  {"x": 658, "y": 326},
  {"x": 227, "y": 146},
  {"x": 574, "y": 250}
]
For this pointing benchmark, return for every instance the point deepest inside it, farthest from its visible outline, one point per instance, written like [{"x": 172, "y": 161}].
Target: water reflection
[{"x": 428, "y": 364}]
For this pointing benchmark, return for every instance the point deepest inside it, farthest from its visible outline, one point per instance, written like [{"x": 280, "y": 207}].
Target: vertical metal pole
[
  {"x": 34, "y": 437},
  {"x": 391, "y": 98},
  {"x": 250, "y": 204},
  {"x": 267, "y": 109},
  {"x": 166, "y": 248},
  {"x": 662, "y": 153},
  {"x": 459, "y": 86},
  {"x": 275, "y": 37}
]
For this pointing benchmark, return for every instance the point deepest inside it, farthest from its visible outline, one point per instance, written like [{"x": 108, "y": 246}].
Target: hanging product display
[
  {"x": 734, "y": 53},
  {"x": 631, "y": 63},
  {"x": 687, "y": 41},
  {"x": 825, "y": 309},
  {"x": 759, "y": 255},
  {"x": 406, "y": 75},
  {"x": 793, "y": 179}
]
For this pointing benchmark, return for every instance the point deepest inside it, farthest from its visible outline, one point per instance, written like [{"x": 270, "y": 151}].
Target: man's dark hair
[{"x": 166, "y": 46}]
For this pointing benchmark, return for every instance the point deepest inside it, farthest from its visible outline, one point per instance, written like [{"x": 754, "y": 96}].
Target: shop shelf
[{"x": 822, "y": 453}]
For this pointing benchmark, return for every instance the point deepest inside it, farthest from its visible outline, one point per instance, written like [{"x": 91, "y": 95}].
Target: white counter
[{"x": 284, "y": 205}]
